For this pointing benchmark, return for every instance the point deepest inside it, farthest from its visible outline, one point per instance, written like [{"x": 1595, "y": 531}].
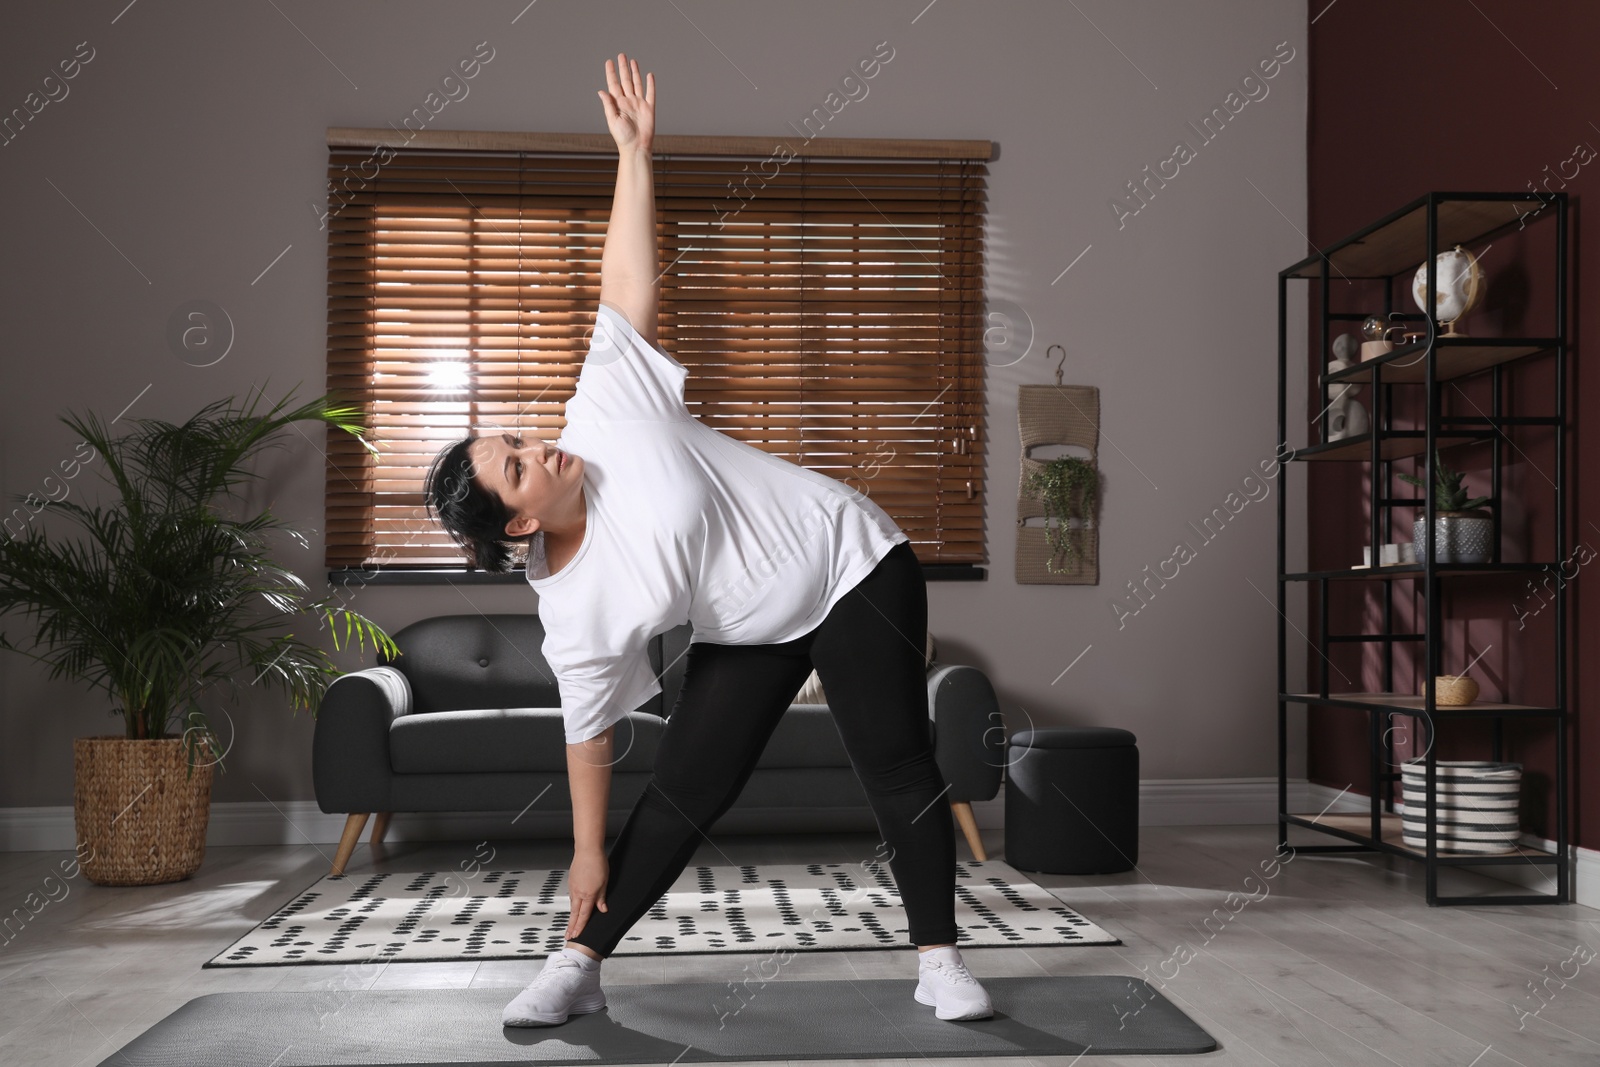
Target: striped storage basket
[{"x": 1475, "y": 802}]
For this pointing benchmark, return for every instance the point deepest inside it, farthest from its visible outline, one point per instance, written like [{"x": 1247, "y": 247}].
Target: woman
[{"x": 640, "y": 518}]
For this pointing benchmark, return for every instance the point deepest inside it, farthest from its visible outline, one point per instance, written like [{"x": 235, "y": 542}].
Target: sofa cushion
[
  {"x": 508, "y": 739},
  {"x": 492, "y": 740},
  {"x": 476, "y": 661}
]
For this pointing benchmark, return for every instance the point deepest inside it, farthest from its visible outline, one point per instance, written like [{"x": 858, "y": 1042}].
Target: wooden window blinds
[{"x": 828, "y": 308}]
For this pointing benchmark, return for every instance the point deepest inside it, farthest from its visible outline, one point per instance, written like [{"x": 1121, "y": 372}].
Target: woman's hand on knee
[{"x": 586, "y": 888}]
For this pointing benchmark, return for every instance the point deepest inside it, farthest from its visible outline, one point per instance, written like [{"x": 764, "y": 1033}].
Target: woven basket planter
[
  {"x": 140, "y": 814},
  {"x": 1453, "y": 690}
]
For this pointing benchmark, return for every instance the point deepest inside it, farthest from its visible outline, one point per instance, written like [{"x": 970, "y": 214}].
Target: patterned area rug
[{"x": 522, "y": 914}]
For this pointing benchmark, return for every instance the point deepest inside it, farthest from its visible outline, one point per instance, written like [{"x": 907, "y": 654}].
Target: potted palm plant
[
  {"x": 1067, "y": 487},
  {"x": 172, "y": 590},
  {"x": 1462, "y": 531}
]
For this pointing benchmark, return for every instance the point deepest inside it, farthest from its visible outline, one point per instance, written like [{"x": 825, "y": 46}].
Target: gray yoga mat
[{"x": 670, "y": 1023}]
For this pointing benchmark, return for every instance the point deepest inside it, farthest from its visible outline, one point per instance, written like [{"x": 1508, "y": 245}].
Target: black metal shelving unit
[{"x": 1397, "y": 245}]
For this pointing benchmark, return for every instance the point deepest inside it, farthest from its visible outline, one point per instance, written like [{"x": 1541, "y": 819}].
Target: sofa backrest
[{"x": 463, "y": 662}]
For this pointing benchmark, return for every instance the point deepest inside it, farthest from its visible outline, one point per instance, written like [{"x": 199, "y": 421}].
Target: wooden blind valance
[{"x": 829, "y": 311}]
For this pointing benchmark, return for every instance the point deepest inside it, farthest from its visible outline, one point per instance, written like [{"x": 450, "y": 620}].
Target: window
[{"x": 828, "y": 307}]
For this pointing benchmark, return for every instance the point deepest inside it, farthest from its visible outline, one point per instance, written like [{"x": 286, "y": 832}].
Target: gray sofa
[{"x": 468, "y": 719}]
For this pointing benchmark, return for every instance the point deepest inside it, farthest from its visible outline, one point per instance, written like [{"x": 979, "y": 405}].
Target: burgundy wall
[{"x": 1430, "y": 95}]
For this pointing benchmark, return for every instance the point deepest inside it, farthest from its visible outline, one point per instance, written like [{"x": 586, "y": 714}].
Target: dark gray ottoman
[{"x": 1072, "y": 800}]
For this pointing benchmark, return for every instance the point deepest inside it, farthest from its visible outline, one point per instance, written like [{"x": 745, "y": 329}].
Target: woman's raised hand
[{"x": 630, "y": 103}]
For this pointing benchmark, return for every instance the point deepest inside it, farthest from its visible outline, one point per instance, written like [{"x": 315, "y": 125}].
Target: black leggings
[{"x": 869, "y": 656}]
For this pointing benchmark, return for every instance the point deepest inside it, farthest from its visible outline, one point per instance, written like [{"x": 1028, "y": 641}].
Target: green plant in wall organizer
[{"x": 1068, "y": 488}]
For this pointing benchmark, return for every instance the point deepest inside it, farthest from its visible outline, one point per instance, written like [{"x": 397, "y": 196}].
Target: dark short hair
[{"x": 474, "y": 516}]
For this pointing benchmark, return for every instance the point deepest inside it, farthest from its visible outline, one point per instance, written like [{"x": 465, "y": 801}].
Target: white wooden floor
[{"x": 1334, "y": 961}]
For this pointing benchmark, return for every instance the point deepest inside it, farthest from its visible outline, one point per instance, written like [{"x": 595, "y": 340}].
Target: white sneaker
[
  {"x": 951, "y": 989},
  {"x": 563, "y": 988}
]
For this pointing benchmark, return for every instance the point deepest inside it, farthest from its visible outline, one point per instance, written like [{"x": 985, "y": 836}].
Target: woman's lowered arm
[
  {"x": 630, "y": 270},
  {"x": 589, "y": 782}
]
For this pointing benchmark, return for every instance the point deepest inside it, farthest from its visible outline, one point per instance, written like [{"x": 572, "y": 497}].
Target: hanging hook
[{"x": 1059, "y": 363}]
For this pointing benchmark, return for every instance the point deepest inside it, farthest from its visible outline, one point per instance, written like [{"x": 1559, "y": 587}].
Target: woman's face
[{"x": 536, "y": 481}]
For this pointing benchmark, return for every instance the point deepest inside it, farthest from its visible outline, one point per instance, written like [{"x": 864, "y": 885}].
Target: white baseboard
[
  {"x": 1584, "y": 862},
  {"x": 1169, "y": 802},
  {"x": 1185, "y": 802},
  {"x": 1214, "y": 801},
  {"x": 1172, "y": 802},
  {"x": 1326, "y": 798}
]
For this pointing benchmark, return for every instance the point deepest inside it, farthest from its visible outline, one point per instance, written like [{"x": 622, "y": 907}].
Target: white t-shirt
[{"x": 685, "y": 524}]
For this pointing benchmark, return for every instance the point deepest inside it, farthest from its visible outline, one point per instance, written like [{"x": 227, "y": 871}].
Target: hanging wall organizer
[{"x": 1056, "y": 415}]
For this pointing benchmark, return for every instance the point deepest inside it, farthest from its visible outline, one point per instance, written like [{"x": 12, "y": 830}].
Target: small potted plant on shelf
[
  {"x": 1068, "y": 488},
  {"x": 172, "y": 589},
  {"x": 1462, "y": 531}
]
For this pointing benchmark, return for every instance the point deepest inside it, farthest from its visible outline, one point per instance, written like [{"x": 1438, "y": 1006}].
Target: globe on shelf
[{"x": 1460, "y": 284}]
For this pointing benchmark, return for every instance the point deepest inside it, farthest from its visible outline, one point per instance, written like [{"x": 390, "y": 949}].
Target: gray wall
[{"x": 189, "y": 151}]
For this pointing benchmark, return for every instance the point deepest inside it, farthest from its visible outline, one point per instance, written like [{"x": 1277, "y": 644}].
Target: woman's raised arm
[{"x": 630, "y": 271}]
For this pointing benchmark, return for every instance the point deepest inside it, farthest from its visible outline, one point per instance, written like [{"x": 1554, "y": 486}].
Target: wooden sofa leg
[
  {"x": 348, "y": 841},
  {"x": 969, "y": 827},
  {"x": 380, "y": 827}
]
